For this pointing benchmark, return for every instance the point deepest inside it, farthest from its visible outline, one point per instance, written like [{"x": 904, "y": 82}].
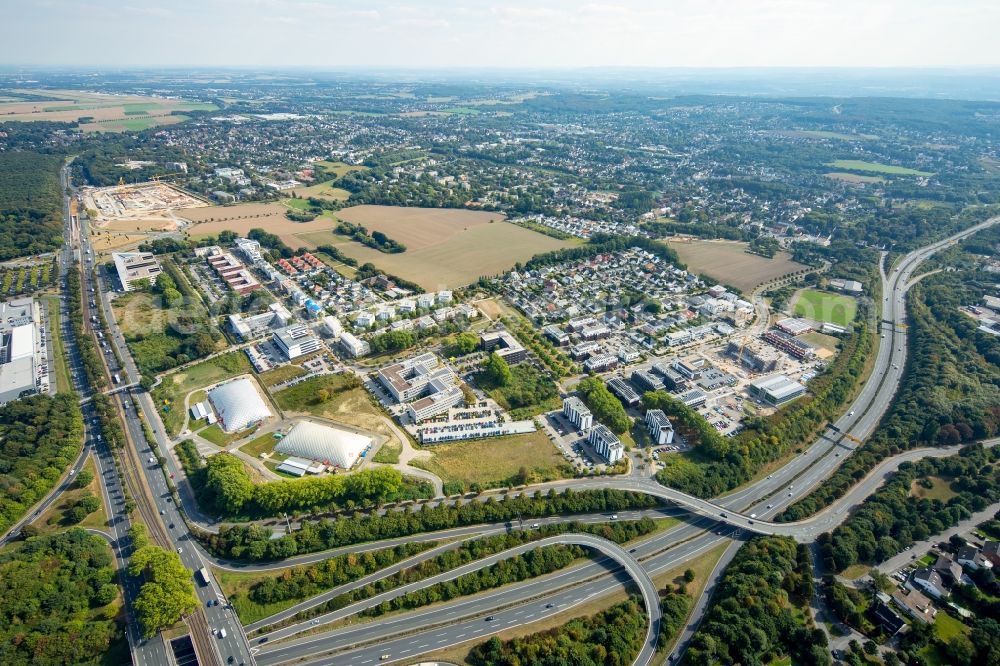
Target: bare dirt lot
[
  {"x": 729, "y": 263},
  {"x": 445, "y": 247},
  {"x": 244, "y": 217}
]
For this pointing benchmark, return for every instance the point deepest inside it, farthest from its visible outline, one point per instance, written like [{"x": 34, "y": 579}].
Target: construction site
[{"x": 149, "y": 202}]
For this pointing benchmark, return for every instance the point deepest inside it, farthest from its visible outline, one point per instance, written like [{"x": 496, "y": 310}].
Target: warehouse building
[
  {"x": 238, "y": 405},
  {"x": 332, "y": 446},
  {"x": 776, "y": 390},
  {"x": 135, "y": 266},
  {"x": 22, "y": 369}
]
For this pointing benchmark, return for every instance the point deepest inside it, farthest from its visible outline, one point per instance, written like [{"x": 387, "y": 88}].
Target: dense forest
[
  {"x": 30, "y": 204},
  {"x": 950, "y": 393},
  {"x": 893, "y": 518},
  {"x": 255, "y": 542},
  {"x": 612, "y": 637},
  {"x": 752, "y": 619},
  {"x": 40, "y": 437},
  {"x": 56, "y": 593}
]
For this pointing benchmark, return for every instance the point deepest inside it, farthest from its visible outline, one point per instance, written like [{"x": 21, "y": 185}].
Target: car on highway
[
  {"x": 489, "y": 618},
  {"x": 383, "y": 657}
]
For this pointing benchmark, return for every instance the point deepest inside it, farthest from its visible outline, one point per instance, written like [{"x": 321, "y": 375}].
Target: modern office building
[
  {"x": 504, "y": 345},
  {"x": 409, "y": 379},
  {"x": 295, "y": 341},
  {"x": 789, "y": 344},
  {"x": 661, "y": 430},
  {"x": 620, "y": 388},
  {"x": 352, "y": 346},
  {"x": 578, "y": 413},
  {"x": 606, "y": 443},
  {"x": 135, "y": 266},
  {"x": 647, "y": 381}
]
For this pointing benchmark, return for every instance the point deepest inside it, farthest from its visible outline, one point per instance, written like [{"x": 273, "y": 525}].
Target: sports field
[
  {"x": 244, "y": 217},
  {"x": 875, "y": 167},
  {"x": 444, "y": 247},
  {"x": 102, "y": 113},
  {"x": 824, "y": 306},
  {"x": 730, "y": 263}
]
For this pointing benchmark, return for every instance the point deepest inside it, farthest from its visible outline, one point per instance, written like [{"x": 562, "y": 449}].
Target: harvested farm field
[
  {"x": 446, "y": 248},
  {"x": 241, "y": 218},
  {"x": 730, "y": 263}
]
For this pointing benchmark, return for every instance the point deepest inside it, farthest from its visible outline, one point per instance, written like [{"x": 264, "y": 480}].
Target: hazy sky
[{"x": 501, "y": 33}]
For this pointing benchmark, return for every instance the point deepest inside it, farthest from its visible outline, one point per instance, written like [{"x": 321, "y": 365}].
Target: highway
[
  {"x": 163, "y": 518},
  {"x": 778, "y": 490},
  {"x": 793, "y": 480}
]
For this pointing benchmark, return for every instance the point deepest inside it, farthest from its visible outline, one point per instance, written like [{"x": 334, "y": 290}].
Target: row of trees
[
  {"x": 224, "y": 484},
  {"x": 950, "y": 393},
  {"x": 469, "y": 551},
  {"x": 721, "y": 463},
  {"x": 892, "y": 519},
  {"x": 531, "y": 564},
  {"x": 56, "y": 593},
  {"x": 751, "y": 619},
  {"x": 40, "y": 437},
  {"x": 605, "y": 406},
  {"x": 612, "y": 637},
  {"x": 90, "y": 357},
  {"x": 254, "y": 542}
]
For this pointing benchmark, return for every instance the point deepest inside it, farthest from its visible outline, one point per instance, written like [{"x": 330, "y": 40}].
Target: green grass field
[
  {"x": 216, "y": 435},
  {"x": 875, "y": 167},
  {"x": 495, "y": 461},
  {"x": 263, "y": 444},
  {"x": 281, "y": 374},
  {"x": 826, "y": 307},
  {"x": 946, "y": 627}
]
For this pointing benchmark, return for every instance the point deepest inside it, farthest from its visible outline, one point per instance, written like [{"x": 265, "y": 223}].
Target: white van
[{"x": 222, "y": 633}]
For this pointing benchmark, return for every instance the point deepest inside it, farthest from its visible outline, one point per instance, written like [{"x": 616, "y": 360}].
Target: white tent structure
[
  {"x": 332, "y": 446},
  {"x": 238, "y": 405}
]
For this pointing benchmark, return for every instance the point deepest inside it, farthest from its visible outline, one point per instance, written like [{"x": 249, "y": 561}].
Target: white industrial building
[
  {"x": 776, "y": 390},
  {"x": 135, "y": 266},
  {"x": 411, "y": 378},
  {"x": 22, "y": 370},
  {"x": 661, "y": 430},
  {"x": 238, "y": 405},
  {"x": 606, "y": 443},
  {"x": 323, "y": 443},
  {"x": 296, "y": 340},
  {"x": 578, "y": 414}
]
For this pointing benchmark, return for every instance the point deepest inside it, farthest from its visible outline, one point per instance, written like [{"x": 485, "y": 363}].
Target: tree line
[
  {"x": 223, "y": 484},
  {"x": 892, "y": 518},
  {"x": 167, "y": 591},
  {"x": 254, "y": 542}
]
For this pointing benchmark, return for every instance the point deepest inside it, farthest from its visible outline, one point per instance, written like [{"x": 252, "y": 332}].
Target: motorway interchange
[{"x": 219, "y": 637}]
